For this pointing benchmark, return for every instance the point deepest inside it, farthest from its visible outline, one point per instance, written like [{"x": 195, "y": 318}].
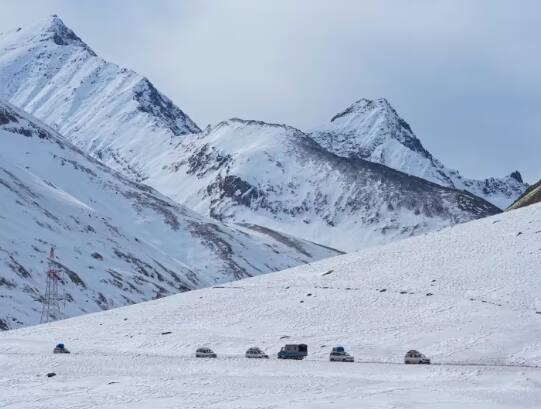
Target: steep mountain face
[
  {"x": 244, "y": 171},
  {"x": 372, "y": 130},
  {"x": 276, "y": 176},
  {"x": 118, "y": 242},
  {"x": 530, "y": 196},
  {"x": 108, "y": 111}
]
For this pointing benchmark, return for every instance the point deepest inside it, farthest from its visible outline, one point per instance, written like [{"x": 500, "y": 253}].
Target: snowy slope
[
  {"x": 466, "y": 296},
  {"x": 108, "y": 111},
  {"x": 276, "y": 176},
  {"x": 530, "y": 196},
  {"x": 372, "y": 130},
  {"x": 118, "y": 242}
]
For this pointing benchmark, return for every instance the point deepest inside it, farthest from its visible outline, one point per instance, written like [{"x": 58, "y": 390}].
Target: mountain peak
[
  {"x": 54, "y": 24},
  {"x": 53, "y": 21},
  {"x": 368, "y": 103},
  {"x": 517, "y": 176},
  {"x": 366, "y": 127},
  {"x": 54, "y": 29},
  {"x": 49, "y": 30},
  {"x": 364, "y": 105},
  {"x": 373, "y": 130}
]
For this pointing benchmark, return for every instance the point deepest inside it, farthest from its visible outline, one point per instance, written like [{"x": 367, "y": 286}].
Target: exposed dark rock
[
  {"x": 234, "y": 188},
  {"x": 7, "y": 116},
  {"x": 3, "y": 325},
  {"x": 72, "y": 275},
  {"x": 204, "y": 160},
  {"x": 5, "y": 283},
  {"x": 517, "y": 176},
  {"x": 163, "y": 109},
  {"x": 97, "y": 256},
  {"x": 18, "y": 268}
]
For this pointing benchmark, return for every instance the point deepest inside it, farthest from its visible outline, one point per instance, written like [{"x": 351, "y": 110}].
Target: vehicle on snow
[
  {"x": 60, "y": 349},
  {"x": 293, "y": 351},
  {"x": 339, "y": 354},
  {"x": 415, "y": 357},
  {"x": 205, "y": 353},
  {"x": 256, "y": 352}
]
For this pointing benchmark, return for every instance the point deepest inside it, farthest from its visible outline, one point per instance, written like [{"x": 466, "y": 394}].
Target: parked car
[
  {"x": 415, "y": 357},
  {"x": 256, "y": 352},
  {"x": 60, "y": 349},
  {"x": 339, "y": 354},
  {"x": 205, "y": 353},
  {"x": 293, "y": 351}
]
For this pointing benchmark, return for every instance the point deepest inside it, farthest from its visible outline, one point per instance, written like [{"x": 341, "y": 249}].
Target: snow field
[{"x": 480, "y": 326}]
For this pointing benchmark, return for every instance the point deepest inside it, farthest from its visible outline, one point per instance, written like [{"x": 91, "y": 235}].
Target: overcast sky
[{"x": 466, "y": 74}]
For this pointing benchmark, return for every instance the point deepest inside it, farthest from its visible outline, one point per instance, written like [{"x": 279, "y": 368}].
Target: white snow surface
[
  {"x": 467, "y": 296},
  {"x": 240, "y": 171},
  {"x": 373, "y": 130},
  {"x": 118, "y": 242}
]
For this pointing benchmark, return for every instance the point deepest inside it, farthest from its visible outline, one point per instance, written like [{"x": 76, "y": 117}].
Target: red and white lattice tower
[{"x": 51, "y": 310}]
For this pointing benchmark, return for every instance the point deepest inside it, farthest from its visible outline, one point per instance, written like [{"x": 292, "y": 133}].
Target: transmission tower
[{"x": 51, "y": 310}]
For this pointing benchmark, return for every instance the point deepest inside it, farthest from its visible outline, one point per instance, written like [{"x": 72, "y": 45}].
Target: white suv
[
  {"x": 415, "y": 357},
  {"x": 255, "y": 352},
  {"x": 338, "y": 354}
]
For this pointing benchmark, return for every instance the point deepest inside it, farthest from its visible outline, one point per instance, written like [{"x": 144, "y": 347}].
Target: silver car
[
  {"x": 205, "y": 353},
  {"x": 415, "y": 357},
  {"x": 338, "y": 354}
]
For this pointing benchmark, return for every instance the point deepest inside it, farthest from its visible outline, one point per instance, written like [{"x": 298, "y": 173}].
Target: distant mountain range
[{"x": 242, "y": 171}]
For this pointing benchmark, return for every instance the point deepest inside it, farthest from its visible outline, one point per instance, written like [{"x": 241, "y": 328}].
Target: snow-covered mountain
[
  {"x": 276, "y": 176},
  {"x": 117, "y": 241},
  {"x": 106, "y": 110},
  {"x": 373, "y": 130},
  {"x": 244, "y": 171},
  {"x": 467, "y": 297}
]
